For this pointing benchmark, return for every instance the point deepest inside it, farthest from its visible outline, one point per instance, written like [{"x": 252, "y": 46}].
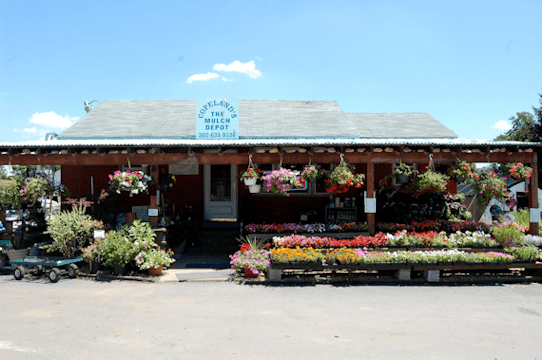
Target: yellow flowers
[{"x": 297, "y": 254}]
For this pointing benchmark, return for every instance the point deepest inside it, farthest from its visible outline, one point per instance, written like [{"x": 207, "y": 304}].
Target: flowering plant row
[
  {"x": 293, "y": 241},
  {"x": 436, "y": 225},
  {"x": 360, "y": 256},
  {"x": 439, "y": 226},
  {"x": 404, "y": 238},
  {"x": 307, "y": 254}
]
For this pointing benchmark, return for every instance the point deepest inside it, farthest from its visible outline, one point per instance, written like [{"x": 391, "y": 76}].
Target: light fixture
[{"x": 88, "y": 107}]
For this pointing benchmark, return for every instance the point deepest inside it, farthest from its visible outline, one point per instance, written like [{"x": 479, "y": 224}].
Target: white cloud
[
  {"x": 202, "y": 77},
  {"x": 502, "y": 125},
  {"x": 32, "y": 130},
  {"x": 52, "y": 120},
  {"x": 248, "y": 68}
]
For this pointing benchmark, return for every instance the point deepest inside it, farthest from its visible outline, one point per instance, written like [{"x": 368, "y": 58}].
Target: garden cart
[{"x": 39, "y": 265}]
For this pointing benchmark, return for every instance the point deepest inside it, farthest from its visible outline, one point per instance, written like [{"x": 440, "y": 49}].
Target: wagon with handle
[{"x": 55, "y": 267}]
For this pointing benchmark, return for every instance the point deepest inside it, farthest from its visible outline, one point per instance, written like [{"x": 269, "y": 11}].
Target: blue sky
[{"x": 470, "y": 64}]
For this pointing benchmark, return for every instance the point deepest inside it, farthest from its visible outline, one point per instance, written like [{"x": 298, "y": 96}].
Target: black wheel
[
  {"x": 73, "y": 271},
  {"x": 18, "y": 273},
  {"x": 54, "y": 275},
  {"x": 38, "y": 270}
]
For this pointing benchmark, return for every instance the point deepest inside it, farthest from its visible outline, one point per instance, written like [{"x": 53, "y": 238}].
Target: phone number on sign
[{"x": 216, "y": 135}]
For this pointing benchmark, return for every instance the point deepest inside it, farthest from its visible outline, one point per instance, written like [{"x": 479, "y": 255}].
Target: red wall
[{"x": 188, "y": 191}]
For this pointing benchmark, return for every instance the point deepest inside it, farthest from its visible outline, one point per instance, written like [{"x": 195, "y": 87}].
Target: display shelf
[{"x": 340, "y": 215}]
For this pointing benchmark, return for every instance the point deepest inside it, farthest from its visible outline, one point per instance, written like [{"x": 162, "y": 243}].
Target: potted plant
[
  {"x": 281, "y": 181},
  {"x": 462, "y": 171},
  {"x": 519, "y": 171},
  {"x": 70, "y": 230},
  {"x": 488, "y": 185},
  {"x": 341, "y": 175},
  {"x": 358, "y": 180},
  {"x": 403, "y": 172},
  {"x": 250, "y": 176},
  {"x": 256, "y": 188},
  {"x": 133, "y": 181},
  {"x": 251, "y": 261},
  {"x": 312, "y": 172},
  {"x": 154, "y": 259},
  {"x": 431, "y": 180}
]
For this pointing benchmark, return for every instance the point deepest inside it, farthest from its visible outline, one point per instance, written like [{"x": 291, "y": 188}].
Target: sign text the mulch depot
[{"x": 217, "y": 119}]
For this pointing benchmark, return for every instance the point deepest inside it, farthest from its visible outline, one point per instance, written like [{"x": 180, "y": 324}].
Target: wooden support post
[
  {"x": 371, "y": 219},
  {"x": 153, "y": 205},
  {"x": 533, "y": 193}
]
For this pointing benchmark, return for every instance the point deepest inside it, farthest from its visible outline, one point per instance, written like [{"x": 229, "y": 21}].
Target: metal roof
[
  {"x": 177, "y": 119},
  {"x": 399, "y": 125},
  {"x": 57, "y": 143}
]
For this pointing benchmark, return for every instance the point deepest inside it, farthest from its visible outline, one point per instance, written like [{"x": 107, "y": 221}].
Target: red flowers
[{"x": 245, "y": 247}]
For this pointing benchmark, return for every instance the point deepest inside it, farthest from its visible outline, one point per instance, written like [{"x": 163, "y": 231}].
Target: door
[{"x": 220, "y": 194}]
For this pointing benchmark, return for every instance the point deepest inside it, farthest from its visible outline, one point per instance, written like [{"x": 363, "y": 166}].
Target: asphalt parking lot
[{"x": 90, "y": 319}]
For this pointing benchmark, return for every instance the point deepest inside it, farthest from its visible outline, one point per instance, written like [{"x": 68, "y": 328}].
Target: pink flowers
[{"x": 520, "y": 171}]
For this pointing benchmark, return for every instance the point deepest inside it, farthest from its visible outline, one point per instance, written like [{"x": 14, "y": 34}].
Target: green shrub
[
  {"x": 70, "y": 230},
  {"x": 121, "y": 247}
]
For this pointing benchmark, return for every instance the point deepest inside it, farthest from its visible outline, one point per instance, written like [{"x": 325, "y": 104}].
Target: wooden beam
[{"x": 263, "y": 158}]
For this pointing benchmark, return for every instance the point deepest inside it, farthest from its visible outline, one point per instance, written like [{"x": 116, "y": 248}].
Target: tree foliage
[{"x": 525, "y": 126}]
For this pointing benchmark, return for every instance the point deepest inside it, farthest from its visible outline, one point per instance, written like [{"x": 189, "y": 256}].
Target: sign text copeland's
[{"x": 217, "y": 119}]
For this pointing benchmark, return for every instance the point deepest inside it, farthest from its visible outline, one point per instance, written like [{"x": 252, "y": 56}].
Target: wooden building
[{"x": 160, "y": 137}]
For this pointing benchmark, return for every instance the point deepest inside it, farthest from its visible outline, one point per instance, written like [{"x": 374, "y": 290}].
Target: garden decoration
[
  {"x": 403, "y": 173},
  {"x": 250, "y": 175},
  {"x": 133, "y": 181},
  {"x": 462, "y": 171},
  {"x": 519, "y": 171}
]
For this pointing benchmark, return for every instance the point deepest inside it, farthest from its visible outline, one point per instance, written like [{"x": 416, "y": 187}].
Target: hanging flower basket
[
  {"x": 462, "y": 171},
  {"x": 431, "y": 180},
  {"x": 135, "y": 182},
  {"x": 312, "y": 172},
  {"x": 519, "y": 171},
  {"x": 281, "y": 181},
  {"x": 342, "y": 175},
  {"x": 403, "y": 173},
  {"x": 250, "y": 176}
]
